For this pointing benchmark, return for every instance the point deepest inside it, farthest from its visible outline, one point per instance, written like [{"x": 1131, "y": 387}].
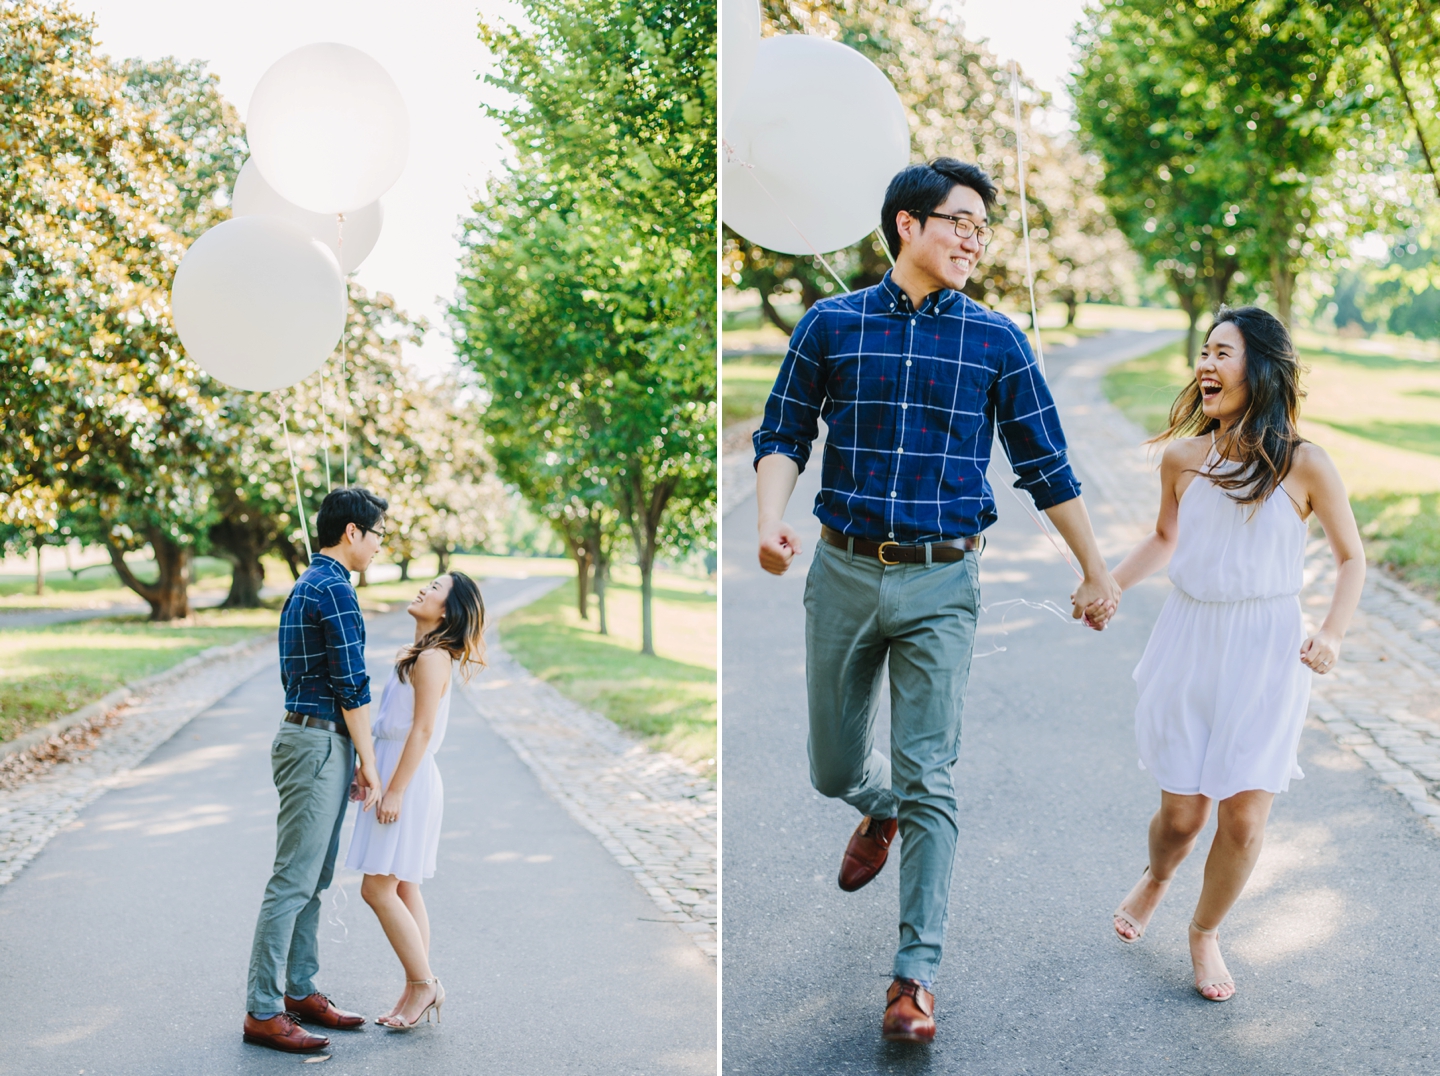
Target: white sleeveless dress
[
  {"x": 406, "y": 847},
  {"x": 1223, "y": 694}
]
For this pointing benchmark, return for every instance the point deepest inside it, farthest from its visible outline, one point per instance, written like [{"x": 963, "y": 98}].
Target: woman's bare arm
[
  {"x": 429, "y": 676},
  {"x": 1156, "y": 549},
  {"x": 1324, "y": 494}
]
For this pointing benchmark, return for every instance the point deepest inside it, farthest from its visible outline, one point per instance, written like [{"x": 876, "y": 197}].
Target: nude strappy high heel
[
  {"x": 1135, "y": 924},
  {"x": 1201, "y": 986},
  {"x": 397, "y": 1024}
]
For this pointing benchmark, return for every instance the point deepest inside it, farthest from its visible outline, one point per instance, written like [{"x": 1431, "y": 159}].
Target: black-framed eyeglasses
[
  {"x": 965, "y": 228},
  {"x": 377, "y": 533}
]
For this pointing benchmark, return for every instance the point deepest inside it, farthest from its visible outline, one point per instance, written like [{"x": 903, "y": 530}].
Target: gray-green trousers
[
  {"x": 312, "y": 770},
  {"x": 922, "y": 617}
]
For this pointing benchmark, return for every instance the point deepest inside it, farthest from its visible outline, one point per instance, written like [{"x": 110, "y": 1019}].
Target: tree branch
[
  {"x": 117, "y": 561},
  {"x": 1384, "y": 32}
]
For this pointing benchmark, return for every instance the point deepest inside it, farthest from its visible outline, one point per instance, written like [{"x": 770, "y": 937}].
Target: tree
[
  {"x": 958, "y": 97},
  {"x": 586, "y": 305},
  {"x": 102, "y": 409},
  {"x": 1218, "y": 124}
]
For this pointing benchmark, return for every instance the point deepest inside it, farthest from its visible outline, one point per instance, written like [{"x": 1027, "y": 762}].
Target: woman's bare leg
[
  {"x": 410, "y": 894},
  {"x": 380, "y": 891},
  {"x": 1173, "y": 831},
  {"x": 1239, "y": 835}
]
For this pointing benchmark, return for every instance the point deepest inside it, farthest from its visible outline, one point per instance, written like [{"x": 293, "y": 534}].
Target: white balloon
[
  {"x": 257, "y": 303},
  {"x": 822, "y": 130},
  {"x": 328, "y": 129},
  {"x": 739, "y": 38},
  {"x": 252, "y": 196}
]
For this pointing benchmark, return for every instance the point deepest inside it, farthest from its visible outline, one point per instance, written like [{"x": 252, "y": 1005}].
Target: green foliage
[
  {"x": 586, "y": 304},
  {"x": 958, "y": 97},
  {"x": 1403, "y": 532}
]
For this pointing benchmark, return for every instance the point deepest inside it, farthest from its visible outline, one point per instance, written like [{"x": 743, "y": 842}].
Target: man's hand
[
  {"x": 1096, "y": 599},
  {"x": 779, "y": 545},
  {"x": 369, "y": 782}
]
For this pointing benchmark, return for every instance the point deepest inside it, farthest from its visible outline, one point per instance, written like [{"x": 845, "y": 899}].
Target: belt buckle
[{"x": 880, "y": 553}]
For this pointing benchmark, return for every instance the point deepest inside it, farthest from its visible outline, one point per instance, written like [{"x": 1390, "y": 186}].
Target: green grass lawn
[
  {"x": 46, "y": 673},
  {"x": 669, "y": 700},
  {"x": 1372, "y": 410},
  {"x": 745, "y": 385},
  {"x": 99, "y": 585}
]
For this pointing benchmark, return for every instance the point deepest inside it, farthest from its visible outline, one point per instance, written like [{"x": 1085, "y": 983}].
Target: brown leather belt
[
  {"x": 310, "y": 721},
  {"x": 895, "y": 553}
]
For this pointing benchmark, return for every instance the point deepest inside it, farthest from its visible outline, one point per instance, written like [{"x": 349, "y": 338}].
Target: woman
[
  {"x": 395, "y": 847},
  {"x": 1225, "y": 680}
]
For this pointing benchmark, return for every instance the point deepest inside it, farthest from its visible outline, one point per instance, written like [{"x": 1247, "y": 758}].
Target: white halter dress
[
  {"x": 406, "y": 847},
  {"x": 1223, "y": 694}
]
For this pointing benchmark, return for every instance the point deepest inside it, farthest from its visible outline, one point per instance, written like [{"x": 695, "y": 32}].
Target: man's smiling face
[{"x": 934, "y": 250}]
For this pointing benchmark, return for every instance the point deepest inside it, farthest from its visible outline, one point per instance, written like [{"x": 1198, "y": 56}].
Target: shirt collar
[
  {"x": 937, "y": 302},
  {"x": 321, "y": 560}
]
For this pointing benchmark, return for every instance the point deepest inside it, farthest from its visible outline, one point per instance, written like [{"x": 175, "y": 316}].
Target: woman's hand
[
  {"x": 389, "y": 808},
  {"x": 1320, "y": 652}
]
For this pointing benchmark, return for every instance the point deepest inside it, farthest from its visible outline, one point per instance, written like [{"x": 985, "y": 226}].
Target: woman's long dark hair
[
  {"x": 461, "y": 633},
  {"x": 1263, "y": 442}
]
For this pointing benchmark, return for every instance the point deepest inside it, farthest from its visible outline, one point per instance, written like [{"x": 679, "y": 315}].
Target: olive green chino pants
[
  {"x": 312, "y": 770},
  {"x": 922, "y": 617}
]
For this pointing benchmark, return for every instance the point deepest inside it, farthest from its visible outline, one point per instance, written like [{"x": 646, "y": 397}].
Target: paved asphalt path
[
  {"x": 1334, "y": 946},
  {"x": 124, "y": 945}
]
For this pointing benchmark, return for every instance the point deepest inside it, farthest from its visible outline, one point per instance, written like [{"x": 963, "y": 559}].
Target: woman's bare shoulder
[
  {"x": 1311, "y": 463},
  {"x": 1186, "y": 451}
]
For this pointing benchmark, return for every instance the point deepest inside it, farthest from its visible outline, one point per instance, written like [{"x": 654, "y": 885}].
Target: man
[
  {"x": 912, "y": 378},
  {"x": 326, "y": 724}
]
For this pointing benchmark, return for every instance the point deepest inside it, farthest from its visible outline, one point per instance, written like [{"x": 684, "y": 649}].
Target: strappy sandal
[
  {"x": 1135, "y": 924},
  {"x": 1205, "y": 984},
  {"x": 395, "y": 1023}
]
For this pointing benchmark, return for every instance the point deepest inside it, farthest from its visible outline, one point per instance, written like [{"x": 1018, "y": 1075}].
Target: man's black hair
[
  {"x": 920, "y": 189},
  {"x": 344, "y": 506}
]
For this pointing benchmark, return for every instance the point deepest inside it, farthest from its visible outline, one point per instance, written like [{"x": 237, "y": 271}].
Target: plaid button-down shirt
[
  {"x": 912, "y": 399},
  {"x": 322, "y": 643}
]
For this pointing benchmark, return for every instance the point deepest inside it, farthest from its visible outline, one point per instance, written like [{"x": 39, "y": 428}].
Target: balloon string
[
  {"x": 344, "y": 384},
  {"x": 1046, "y": 532},
  {"x": 1025, "y": 215},
  {"x": 885, "y": 246},
  {"x": 295, "y": 474},
  {"x": 1045, "y": 606},
  {"x": 325, "y": 412},
  {"x": 732, "y": 158}
]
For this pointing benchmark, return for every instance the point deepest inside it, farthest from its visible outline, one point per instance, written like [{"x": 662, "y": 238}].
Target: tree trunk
[
  {"x": 404, "y": 569},
  {"x": 362, "y": 581},
  {"x": 643, "y": 515},
  {"x": 1072, "y": 308},
  {"x": 602, "y": 576},
  {"x": 39, "y": 565},
  {"x": 168, "y": 596},
  {"x": 442, "y": 558},
  {"x": 1190, "y": 303},
  {"x": 1282, "y": 282},
  {"x": 241, "y": 540},
  {"x": 295, "y": 558},
  {"x": 774, "y": 315}
]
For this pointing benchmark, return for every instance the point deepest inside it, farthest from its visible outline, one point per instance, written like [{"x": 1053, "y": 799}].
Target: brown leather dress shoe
[
  {"x": 865, "y": 854},
  {"x": 283, "y": 1032},
  {"x": 318, "y": 1009},
  {"x": 909, "y": 1013}
]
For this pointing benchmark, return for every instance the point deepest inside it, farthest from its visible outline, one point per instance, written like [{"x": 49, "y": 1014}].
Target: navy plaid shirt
[
  {"x": 912, "y": 400},
  {"x": 322, "y": 643}
]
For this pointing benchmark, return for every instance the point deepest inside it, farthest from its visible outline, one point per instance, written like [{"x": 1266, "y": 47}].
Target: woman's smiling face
[
  {"x": 1224, "y": 392},
  {"x": 429, "y": 604}
]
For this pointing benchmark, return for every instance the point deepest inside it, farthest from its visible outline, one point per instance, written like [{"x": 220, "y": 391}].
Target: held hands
[
  {"x": 1320, "y": 652},
  {"x": 367, "y": 781},
  {"x": 1096, "y": 600},
  {"x": 389, "y": 808},
  {"x": 779, "y": 545}
]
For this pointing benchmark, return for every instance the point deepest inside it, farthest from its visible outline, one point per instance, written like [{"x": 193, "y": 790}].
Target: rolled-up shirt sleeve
[
  {"x": 792, "y": 412},
  {"x": 1029, "y": 428},
  {"x": 344, "y": 628}
]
